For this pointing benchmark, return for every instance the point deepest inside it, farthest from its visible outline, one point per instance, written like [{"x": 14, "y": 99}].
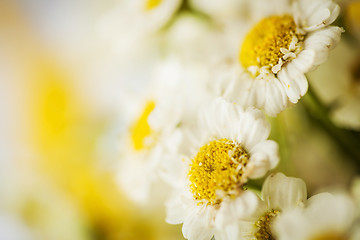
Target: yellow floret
[
  {"x": 151, "y": 4},
  {"x": 216, "y": 171},
  {"x": 262, "y": 44},
  {"x": 264, "y": 225},
  {"x": 141, "y": 129}
]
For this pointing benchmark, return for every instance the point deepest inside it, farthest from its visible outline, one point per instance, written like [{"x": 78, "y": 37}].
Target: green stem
[
  {"x": 348, "y": 140},
  {"x": 254, "y": 186}
]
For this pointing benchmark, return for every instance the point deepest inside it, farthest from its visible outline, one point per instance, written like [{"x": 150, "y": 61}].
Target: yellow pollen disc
[
  {"x": 141, "y": 129},
  {"x": 262, "y": 44},
  {"x": 264, "y": 225},
  {"x": 151, "y": 4},
  {"x": 216, "y": 171}
]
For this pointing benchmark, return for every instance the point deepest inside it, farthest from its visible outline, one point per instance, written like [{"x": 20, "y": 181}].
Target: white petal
[
  {"x": 175, "y": 210},
  {"x": 228, "y": 120},
  {"x": 275, "y": 97},
  {"x": 231, "y": 210},
  {"x": 258, "y": 166},
  {"x": 281, "y": 192},
  {"x": 229, "y": 232},
  {"x": 322, "y": 41},
  {"x": 237, "y": 230},
  {"x": 325, "y": 213},
  {"x": 135, "y": 180},
  {"x": 264, "y": 92},
  {"x": 270, "y": 151},
  {"x": 197, "y": 225},
  {"x": 253, "y": 127},
  {"x": 331, "y": 211},
  {"x": 255, "y": 94},
  {"x": 299, "y": 77},
  {"x": 294, "y": 82},
  {"x": 263, "y": 157},
  {"x": 290, "y": 225},
  {"x": 217, "y": 116},
  {"x": 313, "y": 15},
  {"x": 304, "y": 61}
]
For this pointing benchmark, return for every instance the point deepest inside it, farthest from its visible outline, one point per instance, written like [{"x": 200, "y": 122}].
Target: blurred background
[
  {"x": 60, "y": 114},
  {"x": 63, "y": 89}
]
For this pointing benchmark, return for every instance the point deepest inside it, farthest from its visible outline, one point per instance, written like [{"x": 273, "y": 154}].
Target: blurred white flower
[
  {"x": 276, "y": 53},
  {"x": 13, "y": 228},
  {"x": 347, "y": 112},
  {"x": 193, "y": 38},
  {"x": 326, "y": 216},
  {"x": 279, "y": 193},
  {"x": 231, "y": 146},
  {"x": 131, "y": 21},
  {"x": 157, "y": 125},
  {"x": 337, "y": 84},
  {"x": 222, "y": 10}
]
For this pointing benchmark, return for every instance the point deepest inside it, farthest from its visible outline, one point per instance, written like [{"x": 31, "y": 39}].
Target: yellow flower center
[
  {"x": 151, "y": 4},
  {"x": 264, "y": 45},
  {"x": 141, "y": 129},
  {"x": 216, "y": 171},
  {"x": 264, "y": 225}
]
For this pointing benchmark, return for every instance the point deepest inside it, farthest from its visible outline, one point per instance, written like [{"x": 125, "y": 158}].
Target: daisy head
[
  {"x": 233, "y": 147},
  {"x": 154, "y": 136},
  {"x": 326, "y": 217},
  {"x": 131, "y": 22},
  {"x": 145, "y": 146},
  {"x": 230, "y": 148},
  {"x": 279, "y": 194},
  {"x": 151, "y": 135},
  {"x": 280, "y": 48},
  {"x": 158, "y": 12}
]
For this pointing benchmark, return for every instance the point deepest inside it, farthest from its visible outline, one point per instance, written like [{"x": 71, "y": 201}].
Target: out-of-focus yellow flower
[
  {"x": 61, "y": 133},
  {"x": 65, "y": 137}
]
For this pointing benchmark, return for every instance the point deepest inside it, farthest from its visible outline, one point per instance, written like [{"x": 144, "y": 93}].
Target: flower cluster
[{"x": 225, "y": 69}]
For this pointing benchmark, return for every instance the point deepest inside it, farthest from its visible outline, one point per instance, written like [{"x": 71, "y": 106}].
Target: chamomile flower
[
  {"x": 155, "y": 128},
  {"x": 277, "y": 51},
  {"x": 327, "y": 216},
  {"x": 221, "y": 10},
  {"x": 230, "y": 148},
  {"x": 132, "y": 27},
  {"x": 346, "y": 112},
  {"x": 192, "y": 38},
  {"x": 138, "y": 17},
  {"x": 279, "y": 193}
]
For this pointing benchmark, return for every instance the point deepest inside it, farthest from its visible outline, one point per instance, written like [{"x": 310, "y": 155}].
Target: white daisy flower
[
  {"x": 221, "y": 10},
  {"x": 279, "y": 193},
  {"x": 192, "y": 38},
  {"x": 133, "y": 26},
  {"x": 156, "y": 124},
  {"x": 337, "y": 84},
  {"x": 277, "y": 52},
  {"x": 231, "y": 147},
  {"x": 327, "y": 216},
  {"x": 137, "y": 16}
]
